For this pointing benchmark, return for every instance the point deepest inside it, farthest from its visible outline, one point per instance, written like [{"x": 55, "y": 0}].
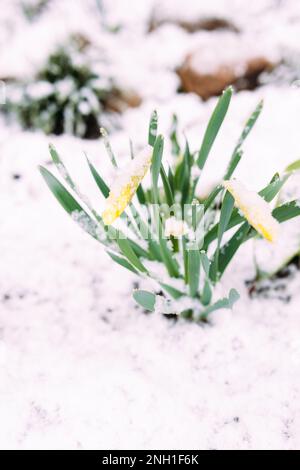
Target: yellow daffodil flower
[
  {"x": 255, "y": 209},
  {"x": 126, "y": 185}
]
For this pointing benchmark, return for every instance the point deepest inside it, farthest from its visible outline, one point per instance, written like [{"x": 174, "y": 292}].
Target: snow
[{"x": 81, "y": 366}]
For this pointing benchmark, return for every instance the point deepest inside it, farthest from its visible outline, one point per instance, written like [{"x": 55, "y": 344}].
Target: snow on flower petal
[
  {"x": 126, "y": 184},
  {"x": 255, "y": 209}
]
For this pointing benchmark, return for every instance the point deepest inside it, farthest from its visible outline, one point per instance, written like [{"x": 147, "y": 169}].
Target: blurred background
[{"x": 68, "y": 67}]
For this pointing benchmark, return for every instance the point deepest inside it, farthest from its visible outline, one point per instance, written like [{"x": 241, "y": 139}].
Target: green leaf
[
  {"x": 108, "y": 147},
  {"x": 226, "y": 212},
  {"x": 250, "y": 124},
  {"x": 173, "y": 136},
  {"x": 227, "y": 303},
  {"x": 145, "y": 299},
  {"x": 212, "y": 196},
  {"x": 99, "y": 181},
  {"x": 295, "y": 166},
  {"x": 231, "y": 247},
  {"x": 61, "y": 166},
  {"x": 287, "y": 211},
  {"x": 63, "y": 196},
  {"x": 207, "y": 293},
  {"x": 66, "y": 176},
  {"x": 237, "y": 153},
  {"x": 167, "y": 187},
  {"x": 171, "y": 179},
  {"x": 194, "y": 271},
  {"x": 122, "y": 262},
  {"x": 271, "y": 191},
  {"x": 168, "y": 258},
  {"x": 236, "y": 158},
  {"x": 139, "y": 251},
  {"x": 205, "y": 263},
  {"x": 141, "y": 195},
  {"x": 67, "y": 201},
  {"x": 185, "y": 259},
  {"x": 175, "y": 293},
  {"x": 156, "y": 165},
  {"x": 186, "y": 175},
  {"x": 167, "y": 255},
  {"x": 129, "y": 253},
  {"x": 152, "y": 133},
  {"x": 214, "y": 126}
]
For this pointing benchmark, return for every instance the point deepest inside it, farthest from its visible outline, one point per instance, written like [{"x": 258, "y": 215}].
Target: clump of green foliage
[
  {"x": 65, "y": 96},
  {"x": 192, "y": 270}
]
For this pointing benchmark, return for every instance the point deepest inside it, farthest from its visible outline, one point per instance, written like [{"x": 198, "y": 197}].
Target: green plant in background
[
  {"x": 32, "y": 9},
  {"x": 186, "y": 247},
  {"x": 66, "y": 96}
]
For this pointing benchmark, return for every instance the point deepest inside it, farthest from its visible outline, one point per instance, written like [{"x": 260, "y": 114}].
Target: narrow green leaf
[
  {"x": 171, "y": 179},
  {"x": 236, "y": 158},
  {"x": 139, "y": 251},
  {"x": 212, "y": 196},
  {"x": 67, "y": 178},
  {"x": 141, "y": 195},
  {"x": 61, "y": 166},
  {"x": 108, "y": 147},
  {"x": 225, "y": 215},
  {"x": 237, "y": 153},
  {"x": 129, "y": 253},
  {"x": 287, "y": 211},
  {"x": 173, "y": 136},
  {"x": 175, "y": 293},
  {"x": 185, "y": 259},
  {"x": 214, "y": 126},
  {"x": 231, "y": 247},
  {"x": 271, "y": 191},
  {"x": 250, "y": 124},
  {"x": 227, "y": 303},
  {"x": 207, "y": 293},
  {"x": 194, "y": 271},
  {"x": 167, "y": 188},
  {"x": 145, "y": 299},
  {"x": 167, "y": 256},
  {"x": 205, "y": 263},
  {"x": 98, "y": 180},
  {"x": 186, "y": 175},
  {"x": 122, "y": 262},
  {"x": 63, "y": 196},
  {"x": 68, "y": 202},
  {"x": 156, "y": 165},
  {"x": 152, "y": 133},
  {"x": 226, "y": 212},
  {"x": 295, "y": 166}
]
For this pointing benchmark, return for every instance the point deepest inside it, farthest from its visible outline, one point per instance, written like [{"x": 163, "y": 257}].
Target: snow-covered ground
[{"x": 80, "y": 365}]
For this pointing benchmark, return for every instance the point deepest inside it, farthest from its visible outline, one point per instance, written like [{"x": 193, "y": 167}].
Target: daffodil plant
[{"x": 164, "y": 233}]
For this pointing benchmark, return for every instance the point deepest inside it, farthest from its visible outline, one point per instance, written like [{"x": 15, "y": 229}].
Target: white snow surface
[{"x": 81, "y": 366}]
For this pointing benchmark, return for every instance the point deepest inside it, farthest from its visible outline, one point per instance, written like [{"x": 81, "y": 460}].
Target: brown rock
[
  {"x": 120, "y": 100},
  {"x": 207, "y": 71},
  {"x": 194, "y": 25}
]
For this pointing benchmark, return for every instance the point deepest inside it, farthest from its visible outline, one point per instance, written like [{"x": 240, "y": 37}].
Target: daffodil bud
[{"x": 255, "y": 209}]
